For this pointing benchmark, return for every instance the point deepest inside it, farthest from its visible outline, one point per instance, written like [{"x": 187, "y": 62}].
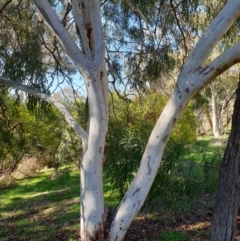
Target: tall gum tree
[
  {"x": 90, "y": 61},
  {"x": 224, "y": 221}
]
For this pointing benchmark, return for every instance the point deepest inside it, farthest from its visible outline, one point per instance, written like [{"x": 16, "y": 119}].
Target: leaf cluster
[{"x": 129, "y": 129}]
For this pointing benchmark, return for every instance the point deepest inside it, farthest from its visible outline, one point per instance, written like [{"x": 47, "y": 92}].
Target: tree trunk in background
[
  {"x": 215, "y": 120},
  {"x": 221, "y": 116},
  {"x": 208, "y": 117},
  {"x": 224, "y": 222}
]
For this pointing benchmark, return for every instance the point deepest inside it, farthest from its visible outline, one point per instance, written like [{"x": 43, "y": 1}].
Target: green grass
[
  {"x": 42, "y": 208},
  {"x": 192, "y": 172},
  {"x": 173, "y": 236}
]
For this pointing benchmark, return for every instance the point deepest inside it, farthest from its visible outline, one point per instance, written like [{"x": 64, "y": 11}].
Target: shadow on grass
[{"x": 41, "y": 208}]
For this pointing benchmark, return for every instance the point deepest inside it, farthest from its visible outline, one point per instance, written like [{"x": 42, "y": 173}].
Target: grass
[
  {"x": 42, "y": 208},
  {"x": 173, "y": 236}
]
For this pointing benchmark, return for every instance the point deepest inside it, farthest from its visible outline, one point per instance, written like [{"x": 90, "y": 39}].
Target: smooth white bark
[{"x": 92, "y": 68}]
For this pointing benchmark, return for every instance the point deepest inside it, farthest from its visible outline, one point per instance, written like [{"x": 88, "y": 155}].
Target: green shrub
[{"x": 130, "y": 126}]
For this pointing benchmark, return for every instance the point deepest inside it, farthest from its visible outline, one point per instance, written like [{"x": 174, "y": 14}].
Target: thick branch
[
  {"x": 223, "y": 62},
  {"x": 78, "y": 13},
  {"x": 212, "y": 35},
  {"x": 99, "y": 42},
  {"x": 87, "y": 68},
  {"x": 68, "y": 117},
  {"x": 64, "y": 37}
]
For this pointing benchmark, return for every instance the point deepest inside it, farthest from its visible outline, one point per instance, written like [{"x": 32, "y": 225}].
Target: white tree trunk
[
  {"x": 90, "y": 63},
  {"x": 221, "y": 118},
  {"x": 215, "y": 118}
]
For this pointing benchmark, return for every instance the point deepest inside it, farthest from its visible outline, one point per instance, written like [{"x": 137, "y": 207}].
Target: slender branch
[
  {"x": 68, "y": 117},
  {"x": 64, "y": 20},
  {"x": 13, "y": 167},
  {"x": 229, "y": 99},
  {"x": 140, "y": 15},
  {"x": 2, "y": 7},
  {"x": 8, "y": 126},
  {"x": 181, "y": 30}
]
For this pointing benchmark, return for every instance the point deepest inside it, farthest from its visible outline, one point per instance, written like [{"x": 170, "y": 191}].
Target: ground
[{"x": 46, "y": 208}]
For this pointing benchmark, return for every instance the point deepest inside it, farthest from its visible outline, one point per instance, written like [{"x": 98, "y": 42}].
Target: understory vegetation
[{"x": 46, "y": 206}]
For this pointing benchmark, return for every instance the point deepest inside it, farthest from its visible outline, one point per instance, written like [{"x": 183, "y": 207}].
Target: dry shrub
[
  {"x": 6, "y": 180},
  {"x": 27, "y": 168}
]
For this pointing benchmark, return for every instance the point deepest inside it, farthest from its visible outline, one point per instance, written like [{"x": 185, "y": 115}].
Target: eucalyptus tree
[
  {"x": 222, "y": 93},
  {"x": 213, "y": 104},
  {"x": 86, "y": 49},
  {"x": 224, "y": 222}
]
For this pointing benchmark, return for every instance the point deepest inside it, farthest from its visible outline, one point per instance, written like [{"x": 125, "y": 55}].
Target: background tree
[
  {"x": 21, "y": 139},
  {"x": 224, "y": 222}
]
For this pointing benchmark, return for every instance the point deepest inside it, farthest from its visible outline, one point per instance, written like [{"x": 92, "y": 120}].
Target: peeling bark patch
[
  {"x": 197, "y": 69},
  {"x": 202, "y": 70},
  {"x": 180, "y": 97},
  {"x": 89, "y": 35},
  {"x": 174, "y": 121},
  {"x": 187, "y": 90},
  {"x": 220, "y": 20},
  {"x": 157, "y": 136},
  {"x": 101, "y": 75},
  {"x": 136, "y": 191},
  {"x": 149, "y": 167},
  {"x": 97, "y": 235},
  {"x": 100, "y": 150},
  {"x": 164, "y": 139},
  {"x": 208, "y": 71}
]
